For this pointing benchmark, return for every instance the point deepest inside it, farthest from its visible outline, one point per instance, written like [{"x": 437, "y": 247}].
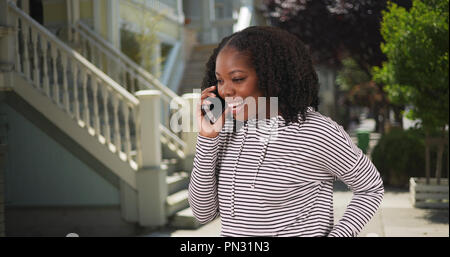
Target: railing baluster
[
  {"x": 138, "y": 84},
  {"x": 123, "y": 80},
  {"x": 44, "y": 46},
  {"x": 36, "y": 71},
  {"x": 106, "y": 118},
  {"x": 165, "y": 114},
  {"x": 117, "y": 140},
  {"x": 26, "y": 58},
  {"x": 92, "y": 55},
  {"x": 86, "y": 112},
  {"x": 132, "y": 81},
  {"x": 137, "y": 125},
  {"x": 100, "y": 58},
  {"x": 54, "y": 53},
  {"x": 76, "y": 104},
  {"x": 126, "y": 114},
  {"x": 66, "y": 100},
  {"x": 96, "y": 114},
  {"x": 125, "y": 71},
  {"x": 61, "y": 68},
  {"x": 84, "y": 48},
  {"x": 18, "y": 32},
  {"x": 112, "y": 69}
]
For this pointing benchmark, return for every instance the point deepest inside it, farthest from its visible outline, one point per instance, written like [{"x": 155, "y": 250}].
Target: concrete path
[{"x": 396, "y": 217}]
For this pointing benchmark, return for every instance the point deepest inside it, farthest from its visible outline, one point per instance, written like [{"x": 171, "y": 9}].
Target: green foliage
[
  {"x": 416, "y": 73},
  {"x": 400, "y": 154},
  {"x": 140, "y": 44},
  {"x": 351, "y": 74},
  {"x": 129, "y": 45}
]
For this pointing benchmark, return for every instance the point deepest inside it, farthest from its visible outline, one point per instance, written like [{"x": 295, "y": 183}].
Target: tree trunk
[
  {"x": 376, "y": 115},
  {"x": 427, "y": 158},
  {"x": 441, "y": 147},
  {"x": 440, "y": 142},
  {"x": 382, "y": 120},
  {"x": 439, "y": 162},
  {"x": 398, "y": 114}
]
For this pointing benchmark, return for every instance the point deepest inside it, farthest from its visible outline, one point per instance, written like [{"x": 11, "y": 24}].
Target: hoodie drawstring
[
  {"x": 261, "y": 158},
  {"x": 234, "y": 169}
]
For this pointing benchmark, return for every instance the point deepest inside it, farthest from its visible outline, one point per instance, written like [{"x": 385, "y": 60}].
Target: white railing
[
  {"x": 131, "y": 76},
  {"x": 95, "y": 101}
]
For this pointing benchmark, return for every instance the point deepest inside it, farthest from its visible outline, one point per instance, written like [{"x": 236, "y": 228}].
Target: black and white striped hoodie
[{"x": 282, "y": 185}]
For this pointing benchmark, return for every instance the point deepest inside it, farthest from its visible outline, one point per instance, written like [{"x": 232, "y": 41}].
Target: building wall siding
[{"x": 41, "y": 172}]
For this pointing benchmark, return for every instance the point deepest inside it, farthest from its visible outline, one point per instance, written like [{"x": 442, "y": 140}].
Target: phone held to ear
[{"x": 214, "y": 110}]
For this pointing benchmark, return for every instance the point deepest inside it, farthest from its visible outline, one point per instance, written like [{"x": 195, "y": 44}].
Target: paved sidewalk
[{"x": 395, "y": 218}]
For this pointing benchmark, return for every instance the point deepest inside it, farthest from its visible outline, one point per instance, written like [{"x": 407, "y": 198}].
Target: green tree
[
  {"x": 358, "y": 89},
  {"x": 140, "y": 43},
  {"x": 416, "y": 71},
  {"x": 361, "y": 90},
  {"x": 351, "y": 74}
]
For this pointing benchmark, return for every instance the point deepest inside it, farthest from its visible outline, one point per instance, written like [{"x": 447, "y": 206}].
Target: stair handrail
[
  {"x": 68, "y": 56},
  {"x": 141, "y": 77},
  {"x": 83, "y": 61},
  {"x": 167, "y": 93}
]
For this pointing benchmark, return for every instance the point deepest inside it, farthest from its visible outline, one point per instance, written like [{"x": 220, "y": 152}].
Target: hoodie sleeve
[
  {"x": 203, "y": 197},
  {"x": 347, "y": 162}
]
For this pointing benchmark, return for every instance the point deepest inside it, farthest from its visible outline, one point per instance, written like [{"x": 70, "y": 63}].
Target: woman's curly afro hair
[{"x": 283, "y": 66}]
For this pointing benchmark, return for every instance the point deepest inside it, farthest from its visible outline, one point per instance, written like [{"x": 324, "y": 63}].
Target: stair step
[
  {"x": 195, "y": 68},
  {"x": 199, "y": 59},
  {"x": 176, "y": 202},
  {"x": 189, "y": 88},
  {"x": 202, "y": 53},
  {"x": 200, "y": 50},
  {"x": 177, "y": 181},
  {"x": 168, "y": 152},
  {"x": 194, "y": 72},
  {"x": 191, "y": 85},
  {"x": 184, "y": 219},
  {"x": 194, "y": 76},
  {"x": 200, "y": 56},
  {"x": 205, "y": 47},
  {"x": 170, "y": 165},
  {"x": 193, "y": 65}
]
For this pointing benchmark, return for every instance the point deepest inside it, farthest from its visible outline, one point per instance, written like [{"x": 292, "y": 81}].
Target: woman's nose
[{"x": 226, "y": 90}]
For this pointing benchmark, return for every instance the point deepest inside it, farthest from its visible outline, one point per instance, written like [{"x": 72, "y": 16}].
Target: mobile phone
[{"x": 214, "y": 110}]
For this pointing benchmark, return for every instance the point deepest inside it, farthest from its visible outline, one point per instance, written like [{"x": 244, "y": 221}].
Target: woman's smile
[{"x": 237, "y": 108}]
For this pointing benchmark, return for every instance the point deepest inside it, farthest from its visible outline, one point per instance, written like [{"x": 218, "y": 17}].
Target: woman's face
[{"x": 237, "y": 83}]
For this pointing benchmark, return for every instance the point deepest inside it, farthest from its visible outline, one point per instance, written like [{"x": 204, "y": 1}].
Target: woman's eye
[{"x": 234, "y": 80}]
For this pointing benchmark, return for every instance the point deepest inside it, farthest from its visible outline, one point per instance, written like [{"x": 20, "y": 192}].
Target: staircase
[
  {"x": 195, "y": 69},
  {"x": 110, "y": 106}
]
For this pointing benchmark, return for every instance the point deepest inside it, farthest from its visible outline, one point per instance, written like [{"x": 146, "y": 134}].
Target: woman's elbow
[{"x": 204, "y": 218}]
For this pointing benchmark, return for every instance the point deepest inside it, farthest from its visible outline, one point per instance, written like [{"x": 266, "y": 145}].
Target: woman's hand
[{"x": 207, "y": 129}]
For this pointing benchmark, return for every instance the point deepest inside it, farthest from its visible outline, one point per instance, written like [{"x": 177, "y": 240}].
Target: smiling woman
[
  {"x": 262, "y": 185},
  {"x": 236, "y": 78},
  {"x": 265, "y": 61}
]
